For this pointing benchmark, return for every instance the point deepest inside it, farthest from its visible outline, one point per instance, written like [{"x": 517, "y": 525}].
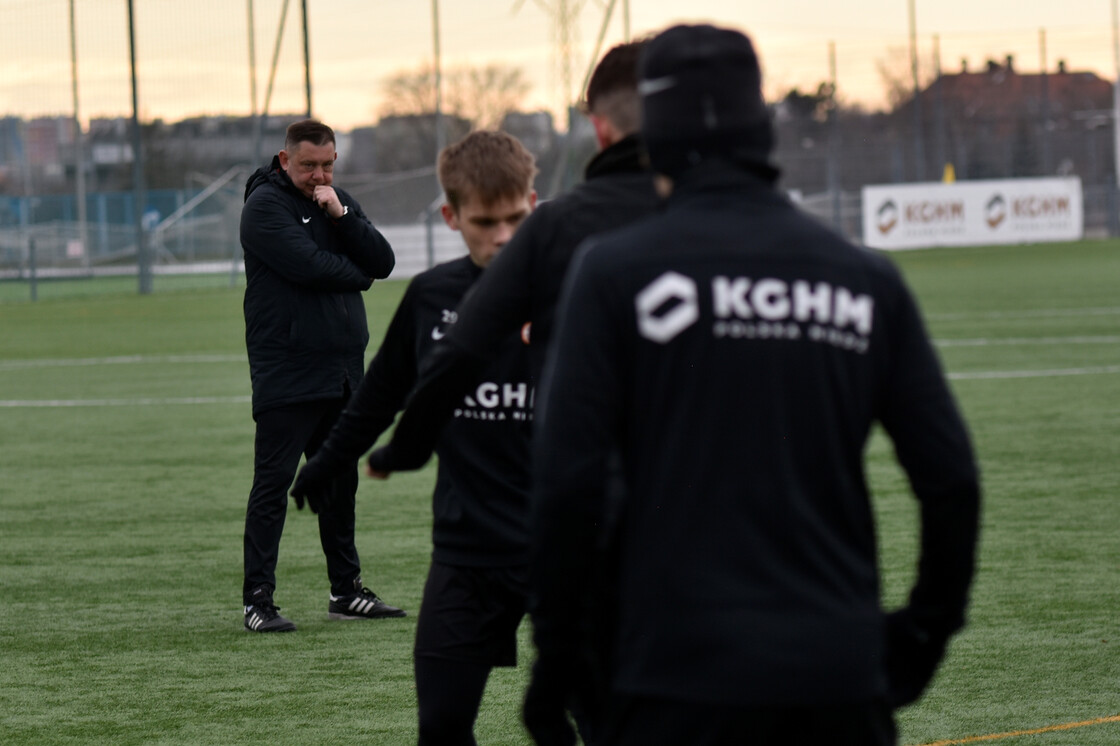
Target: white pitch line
[
  {"x": 118, "y": 360},
  {"x": 216, "y": 358},
  {"x": 1034, "y": 313},
  {"x": 998, "y": 374},
  {"x": 986, "y": 342},
  {"x": 142, "y": 402}
]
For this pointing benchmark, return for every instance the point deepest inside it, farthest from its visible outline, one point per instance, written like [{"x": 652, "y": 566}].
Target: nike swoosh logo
[
  {"x": 436, "y": 333},
  {"x": 656, "y": 85},
  {"x": 306, "y": 220}
]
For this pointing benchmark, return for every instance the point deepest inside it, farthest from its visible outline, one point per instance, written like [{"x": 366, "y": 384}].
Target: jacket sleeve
[
  {"x": 363, "y": 243},
  {"x": 933, "y": 446},
  {"x": 575, "y": 428},
  {"x": 494, "y": 307},
  {"x": 269, "y": 232},
  {"x": 383, "y": 390}
]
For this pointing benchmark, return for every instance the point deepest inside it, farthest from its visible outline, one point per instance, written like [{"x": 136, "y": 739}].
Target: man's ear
[
  {"x": 450, "y": 216},
  {"x": 606, "y": 134},
  {"x": 533, "y": 200},
  {"x": 284, "y": 160}
]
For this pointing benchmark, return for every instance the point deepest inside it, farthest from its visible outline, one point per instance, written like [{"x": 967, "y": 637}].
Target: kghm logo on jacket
[
  {"x": 667, "y": 307},
  {"x": 758, "y": 309},
  {"x": 498, "y": 402}
]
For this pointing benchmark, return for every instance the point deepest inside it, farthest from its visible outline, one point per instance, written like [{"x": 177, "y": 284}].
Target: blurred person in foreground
[
  {"x": 736, "y": 354},
  {"x": 475, "y": 594},
  {"x": 310, "y": 251}
]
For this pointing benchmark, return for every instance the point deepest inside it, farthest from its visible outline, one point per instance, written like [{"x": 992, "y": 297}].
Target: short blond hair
[{"x": 487, "y": 165}]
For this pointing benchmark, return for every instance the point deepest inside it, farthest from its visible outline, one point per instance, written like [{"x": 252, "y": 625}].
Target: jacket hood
[{"x": 272, "y": 173}]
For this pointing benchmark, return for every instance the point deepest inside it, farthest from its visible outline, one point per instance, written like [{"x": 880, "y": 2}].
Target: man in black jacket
[
  {"x": 736, "y": 353},
  {"x": 310, "y": 251},
  {"x": 519, "y": 292},
  {"x": 474, "y": 598}
]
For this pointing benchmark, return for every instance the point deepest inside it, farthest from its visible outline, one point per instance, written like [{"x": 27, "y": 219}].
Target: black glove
[
  {"x": 389, "y": 459},
  {"x": 381, "y": 460},
  {"x": 913, "y": 654},
  {"x": 545, "y": 708},
  {"x": 313, "y": 484}
]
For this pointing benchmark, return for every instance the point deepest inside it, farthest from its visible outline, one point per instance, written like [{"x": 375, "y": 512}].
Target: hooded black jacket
[
  {"x": 305, "y": 322},
  {"x": 737, "y": 353}
]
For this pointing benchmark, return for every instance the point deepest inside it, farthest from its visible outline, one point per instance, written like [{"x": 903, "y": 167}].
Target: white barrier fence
[
  {"x": 409, "y": 242},
  {"x": 972, "y": 213}
]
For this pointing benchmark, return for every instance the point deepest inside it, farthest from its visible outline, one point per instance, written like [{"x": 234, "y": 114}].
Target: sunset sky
[{"x": 193, "y": 56}]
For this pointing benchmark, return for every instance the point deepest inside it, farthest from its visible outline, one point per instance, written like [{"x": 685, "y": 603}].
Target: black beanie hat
[{"x": 701, "y": 90}]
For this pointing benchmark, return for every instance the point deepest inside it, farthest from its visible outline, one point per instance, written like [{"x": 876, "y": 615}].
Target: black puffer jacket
[{"x": 305, "y": 322}]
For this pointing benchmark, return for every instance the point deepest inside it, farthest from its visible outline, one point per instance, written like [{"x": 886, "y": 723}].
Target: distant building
[
  {"x": 34, "y": 153},
  {"x": 408, "y": 142},
  {"x": 534, "y": 129},
  {"x": 998, "y": 122},
  {"x": 44, "y": 140},
  {"x": 362, "y": 155}
]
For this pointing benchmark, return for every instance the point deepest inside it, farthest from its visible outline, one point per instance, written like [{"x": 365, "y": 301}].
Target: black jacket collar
[
  {"x": 271, "y": 173},
  {"x": 628, "y": 155},
  {"x": 718, "y": 175}
]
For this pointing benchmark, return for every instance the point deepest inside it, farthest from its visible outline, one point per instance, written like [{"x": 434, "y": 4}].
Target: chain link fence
[{"x": 70, "y": 206}]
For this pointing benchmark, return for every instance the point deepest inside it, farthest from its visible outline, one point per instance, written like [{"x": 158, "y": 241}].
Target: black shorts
[{"x": 471, "y": 614}]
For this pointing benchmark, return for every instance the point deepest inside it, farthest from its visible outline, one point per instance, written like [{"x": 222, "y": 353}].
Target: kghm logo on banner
[
  {"x": 971, "y": 213},
  {"x": 888, "y": 216},
  {"x": 995, "y": 212}
]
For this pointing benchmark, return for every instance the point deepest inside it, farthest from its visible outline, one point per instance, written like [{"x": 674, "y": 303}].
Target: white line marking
[
  {"x": 6, "y": 365},
  {"x": 223, "y": 358},
  {"x": 1025, "y": 314},
  {"x": 118, "y": 360},
  {"x": 998, "y": 374},
  {"x": 143, "y": 402},
  {"x": 985, "y": 342},
  {"x": 968, "y": 376}
]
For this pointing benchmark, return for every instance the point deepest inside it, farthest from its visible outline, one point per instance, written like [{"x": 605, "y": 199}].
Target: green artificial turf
[{"x": 122, "y": 507}]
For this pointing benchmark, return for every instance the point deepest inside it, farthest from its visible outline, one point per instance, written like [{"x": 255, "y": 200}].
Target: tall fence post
[
  {"x": 1113, "y": 196},
  {"x": 429, "y": 238},
  {"x": 32, "y": 269},
  {"x": 143, "y": 257}
]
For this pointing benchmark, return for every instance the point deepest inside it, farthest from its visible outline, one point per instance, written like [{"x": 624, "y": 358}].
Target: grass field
[{"x": 127, "y": 455}]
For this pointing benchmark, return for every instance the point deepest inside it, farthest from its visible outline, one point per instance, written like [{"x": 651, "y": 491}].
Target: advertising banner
[{"x": 972, "y": 213}]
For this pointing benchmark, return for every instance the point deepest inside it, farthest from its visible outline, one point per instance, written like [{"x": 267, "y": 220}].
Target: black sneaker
[
  {"x": 362, "y": 604},
  {"x": 264, "y": 616}
]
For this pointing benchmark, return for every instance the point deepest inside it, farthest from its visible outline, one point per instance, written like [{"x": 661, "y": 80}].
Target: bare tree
[
  {"x": 408, "y": 92},
  {"x": 898, "y": 79},
  {"x": 482, "y": 95}
]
